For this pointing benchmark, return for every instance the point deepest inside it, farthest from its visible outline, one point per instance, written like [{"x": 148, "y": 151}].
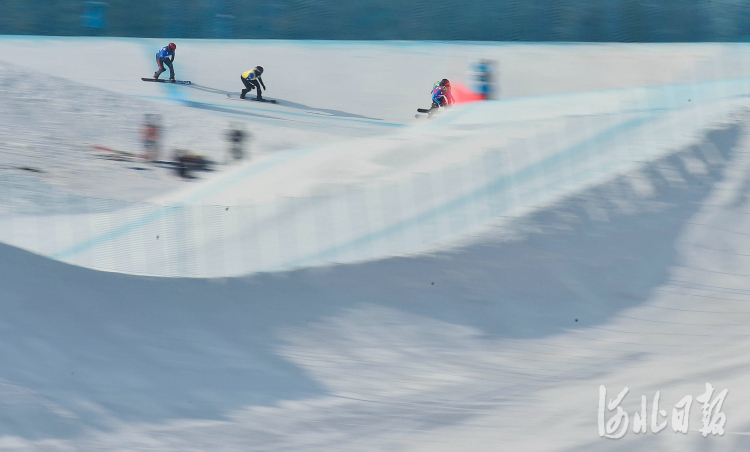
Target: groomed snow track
[{"x": 367, "y": 281}]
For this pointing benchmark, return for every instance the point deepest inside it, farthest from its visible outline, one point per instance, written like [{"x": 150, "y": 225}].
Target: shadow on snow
[{"x": 152, "y": 349}]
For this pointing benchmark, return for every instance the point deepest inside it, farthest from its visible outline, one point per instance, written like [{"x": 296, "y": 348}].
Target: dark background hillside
[{"x": 476, "y": 20}]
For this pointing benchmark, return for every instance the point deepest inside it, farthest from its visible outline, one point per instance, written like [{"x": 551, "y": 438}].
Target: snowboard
[
  {"x": 272, "y": 101},
  {"x": 177, "y": 82},
  {"x": 427, "y": 111}
]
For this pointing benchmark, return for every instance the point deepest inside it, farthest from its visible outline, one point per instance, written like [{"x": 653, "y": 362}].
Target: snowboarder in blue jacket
[
  {"x": 165, "y": 56},
  {"x": 441, "y": 94}
]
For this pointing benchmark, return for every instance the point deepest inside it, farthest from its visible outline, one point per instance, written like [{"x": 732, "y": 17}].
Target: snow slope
[
  {"x": 340, "y": 173},
  {"x": 496, "y": 265},
  {"x": 639, "y": 282}
]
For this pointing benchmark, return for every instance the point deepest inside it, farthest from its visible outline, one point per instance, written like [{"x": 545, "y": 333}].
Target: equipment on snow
[
  {"x": 178, "y": 82},
  {"x": 262, "y": 99}
]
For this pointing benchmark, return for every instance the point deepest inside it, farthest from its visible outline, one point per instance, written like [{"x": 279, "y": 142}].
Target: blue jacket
[
  {"x": 441, "y": 96},
  {"x": 165, "y": 53}
]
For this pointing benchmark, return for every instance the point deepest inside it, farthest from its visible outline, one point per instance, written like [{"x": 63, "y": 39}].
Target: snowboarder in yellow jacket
[{"x": 251, "y": 79}]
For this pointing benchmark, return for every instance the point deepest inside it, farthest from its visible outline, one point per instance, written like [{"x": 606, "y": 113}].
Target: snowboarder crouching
[
  {"x": 251, "y": 79},
  {"x": 165, "y": 56},
  {"x": 441, "y": 94}
]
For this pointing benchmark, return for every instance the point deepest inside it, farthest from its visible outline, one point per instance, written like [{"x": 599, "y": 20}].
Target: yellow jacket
[{"x": 252, "y": 74}]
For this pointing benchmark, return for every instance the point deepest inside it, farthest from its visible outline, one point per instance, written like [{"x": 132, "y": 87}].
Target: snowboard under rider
[
  {"x": 251, "y": 79},
  {"x": 165, "y": 56}
]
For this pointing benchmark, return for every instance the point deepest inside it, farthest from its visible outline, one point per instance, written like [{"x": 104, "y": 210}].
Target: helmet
[
  {"x": 444, "y": 82},
  {"x": 172, "y": 46},
  {"x": 259, "y": 68}
]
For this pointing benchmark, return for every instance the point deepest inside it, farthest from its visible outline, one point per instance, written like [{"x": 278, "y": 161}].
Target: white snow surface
[
  {"x": 369, "y": 281},
  {"x": 341, "y": 171}
]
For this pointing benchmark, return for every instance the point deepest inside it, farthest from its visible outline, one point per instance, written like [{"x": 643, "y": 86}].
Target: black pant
[
  {"x": 250, "y": 85},
  {"x": 166, "y": 61}
]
